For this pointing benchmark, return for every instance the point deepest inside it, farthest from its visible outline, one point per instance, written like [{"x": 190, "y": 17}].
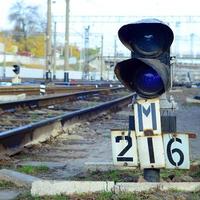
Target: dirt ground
[{"x": 188, "y": 118}]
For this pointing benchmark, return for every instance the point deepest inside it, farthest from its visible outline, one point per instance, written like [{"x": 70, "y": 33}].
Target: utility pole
[
  {"x": 86, "y": 54},
  {"x": 115, "y": 54},
  {"x": 178, "y": 38},
  {"x": 192, "y": 35},
  {"x": 101, "y": 68},
  {"x": 66, "y": 56},
  {"x": 4, "y": 64},
  {"x": 54, "y": 52},
  {"x": 3, "y": 51},
  {"x": 48, "y": 42},
  {"x": 115, "y": 51}
]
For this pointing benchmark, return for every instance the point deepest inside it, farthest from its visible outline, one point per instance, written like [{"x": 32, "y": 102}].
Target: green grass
[
  {"x": 133, "y": 175},
  {"x": 195, "y": 174},
  {"x": 27, "y": 196},
  {"x": 195, "y": 196},
  {"x": 111, "y": 175},
  {"x": 90, "y": 196},
  {"x": 105, "y": 196},
  {"x": 151, "y": 195},
  {"x": 120, "y": 196},
  {"x": 33, "y": 170},
  {"x": 165, "y": 173},
  {"x": 6, "y": 184}
]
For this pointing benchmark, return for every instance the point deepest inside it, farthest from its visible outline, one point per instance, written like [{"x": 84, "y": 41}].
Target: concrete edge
[
  {"x": 164, "y": 186},
  {"x": 46, "y": 187}
]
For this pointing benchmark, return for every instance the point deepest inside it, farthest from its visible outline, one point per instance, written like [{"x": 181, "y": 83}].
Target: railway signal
[
  {"x": 16, "y": 69},
  {"x": 147, "y": 73},
  {"x": 16, "y": 79}
]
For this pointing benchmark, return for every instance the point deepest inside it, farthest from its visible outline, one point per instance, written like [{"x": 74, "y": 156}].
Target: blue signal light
[{"x": 148, "y": 82}]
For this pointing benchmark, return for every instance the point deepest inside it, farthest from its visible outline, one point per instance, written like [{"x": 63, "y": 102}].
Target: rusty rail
[{"x": 43, "y": 101}]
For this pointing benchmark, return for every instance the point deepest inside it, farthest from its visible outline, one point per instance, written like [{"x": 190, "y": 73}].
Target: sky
[
  {"x": 112, "y": 7},
  {"x": 107, "y": 8}
]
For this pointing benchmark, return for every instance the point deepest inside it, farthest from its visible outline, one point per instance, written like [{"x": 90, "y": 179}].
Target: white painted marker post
[{"x": 42, "y": 89}]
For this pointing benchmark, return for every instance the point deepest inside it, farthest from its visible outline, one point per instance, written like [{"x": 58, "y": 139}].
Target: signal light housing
[
  {"x": 16, "y": 69},
  {"x": 148, "y": 71}
]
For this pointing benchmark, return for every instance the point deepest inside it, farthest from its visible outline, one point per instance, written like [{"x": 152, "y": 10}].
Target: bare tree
[{"x": 26, "y": 20}]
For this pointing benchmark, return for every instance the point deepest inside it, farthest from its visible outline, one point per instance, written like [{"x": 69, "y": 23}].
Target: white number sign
[
  {"x": 124, "y": 148},
  {"x": 147, "y": 116},
  {"x": 176, "y": 151},
  {"x": 151, "y": 152},
  {"x": 154, "y": 149}
]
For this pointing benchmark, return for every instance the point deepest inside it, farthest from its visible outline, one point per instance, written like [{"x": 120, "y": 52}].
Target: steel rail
[
  {"x": 14, "y": 140},
  {"x": 35, "y": 90},
  {"x": 42, "y": 101}
]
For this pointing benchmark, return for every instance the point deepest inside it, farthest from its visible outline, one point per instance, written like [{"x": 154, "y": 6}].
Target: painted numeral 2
[{"x": 127, "y": 147}]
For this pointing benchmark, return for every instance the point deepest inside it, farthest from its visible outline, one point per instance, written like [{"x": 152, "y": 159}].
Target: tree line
[{"x": 28, "y": 35}]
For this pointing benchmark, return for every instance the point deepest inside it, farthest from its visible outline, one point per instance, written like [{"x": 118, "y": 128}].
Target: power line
[{"x": 125, "y": 19}]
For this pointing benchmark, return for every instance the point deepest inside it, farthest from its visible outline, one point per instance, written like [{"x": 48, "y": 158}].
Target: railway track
[
  {"x": 50, "y": 89},
  {"x": 87, "y": 145},
  {"x": 37, "y": 120}
]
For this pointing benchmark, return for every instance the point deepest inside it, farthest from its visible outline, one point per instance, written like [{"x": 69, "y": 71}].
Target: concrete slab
[
  {"x": 140, "y": 187},
  {"x": 42, "y": 188},
  {"x": 181, "y": 186},
  {"x": 19, "y": 179},
  {"x": 50, "y": 165},
  {"x": 8, "y": 194},
  {"x": 134, "y": 187}
]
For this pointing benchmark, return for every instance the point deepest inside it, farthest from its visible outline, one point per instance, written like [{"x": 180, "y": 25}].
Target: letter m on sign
[{"x": 147, "y": 116}]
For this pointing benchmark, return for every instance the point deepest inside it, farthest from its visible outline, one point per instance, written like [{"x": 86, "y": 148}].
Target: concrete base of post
[{"x": 16, "y": 80}]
